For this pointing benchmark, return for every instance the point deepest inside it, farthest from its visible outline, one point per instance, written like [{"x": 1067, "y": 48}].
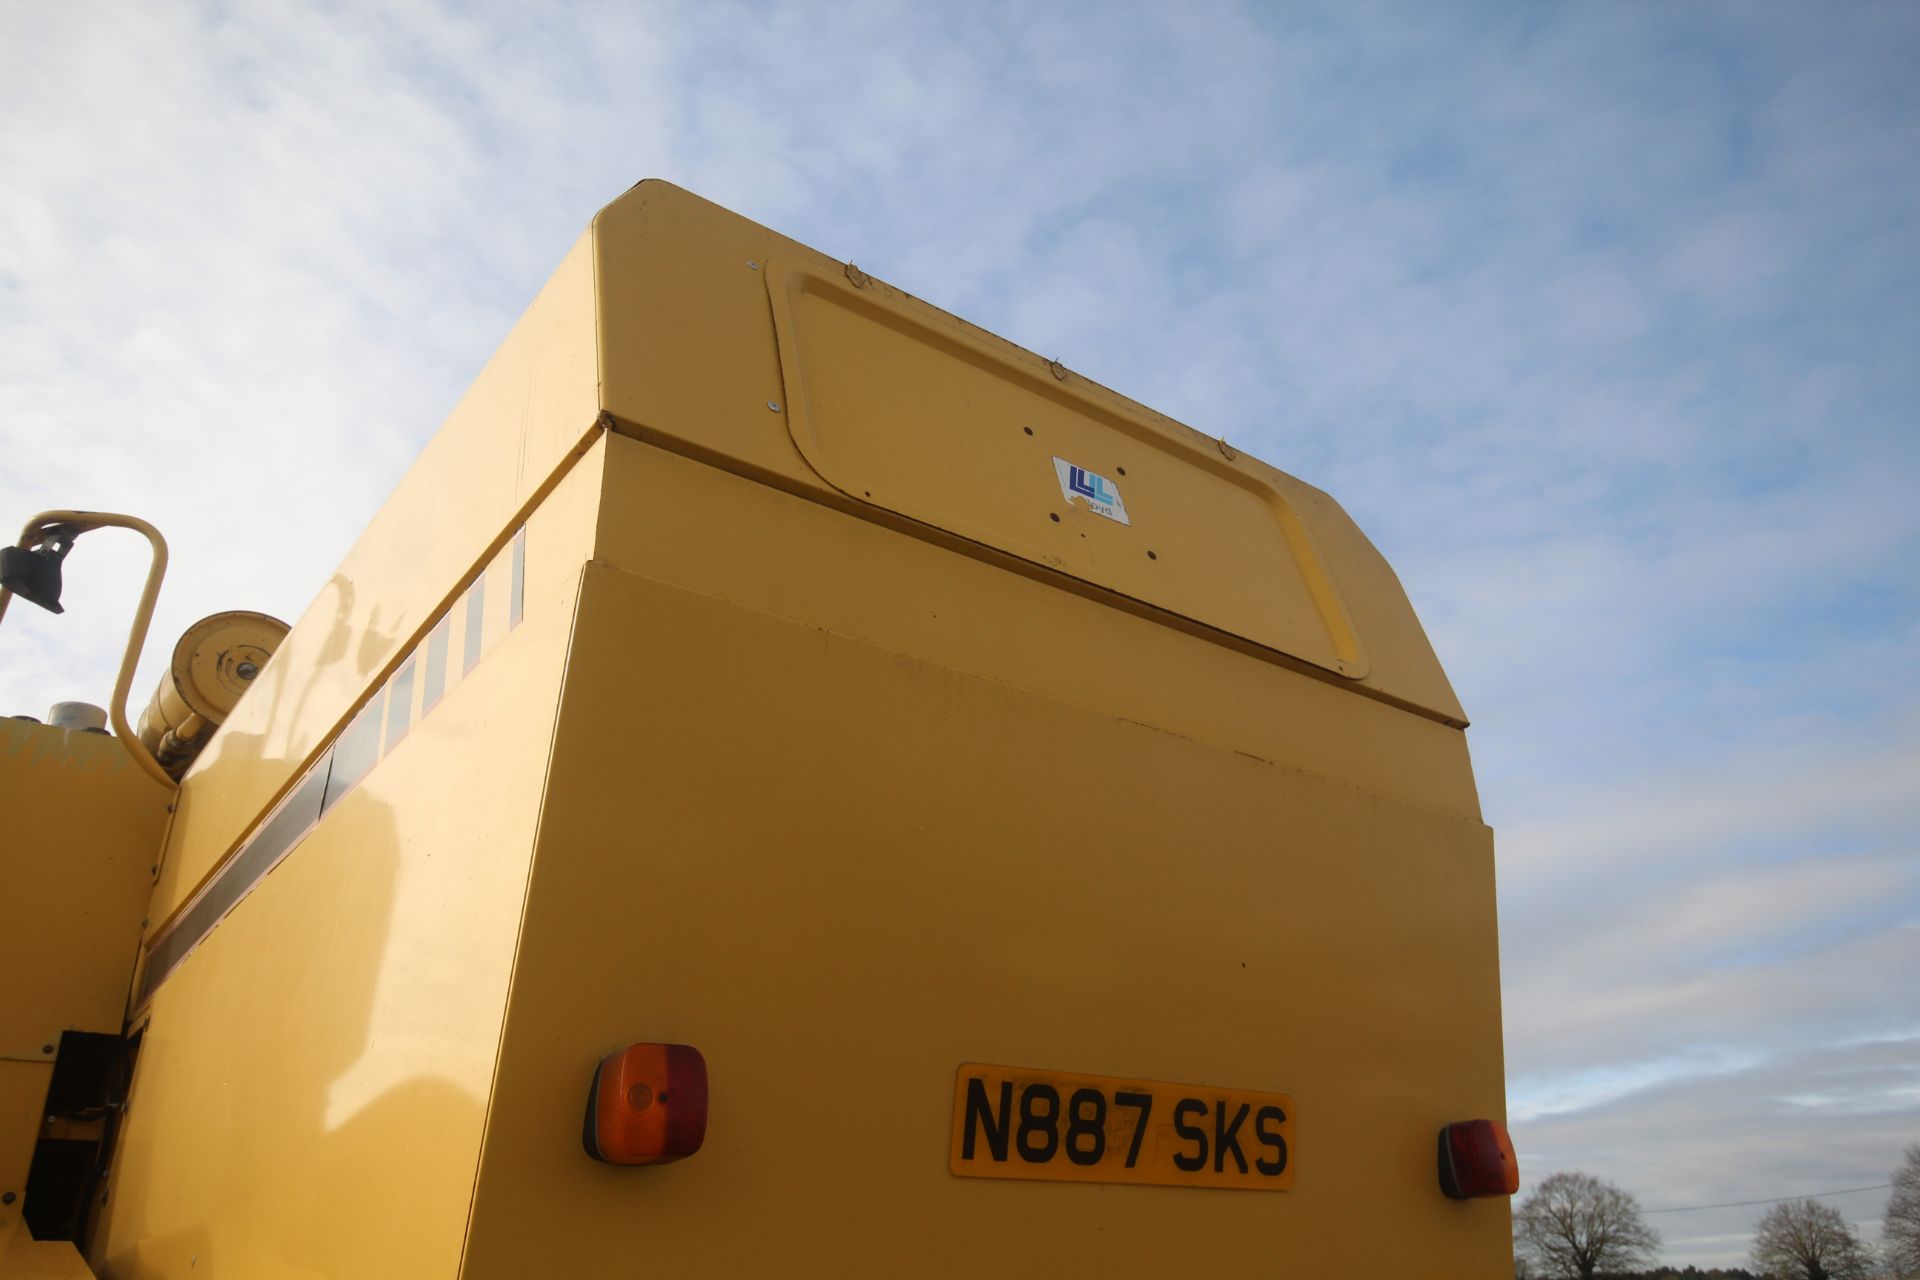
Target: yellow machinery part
[
  {"x": 29, "y": 1259},
  {"x": 82, "y": 829},
  {"x": 736, "y": 668},
  {"x": 215, "y": 661},
  {"x": 22, "y": 1086}
]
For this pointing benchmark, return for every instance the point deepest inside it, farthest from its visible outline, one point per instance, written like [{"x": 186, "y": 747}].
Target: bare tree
[
  {"x": 1807, "y": 1240},
  {"x": 1901, "y": 1232},
  {"x": 1573, "y": 1225}
]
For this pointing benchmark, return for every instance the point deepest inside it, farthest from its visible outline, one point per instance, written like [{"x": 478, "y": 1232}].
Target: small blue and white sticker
[{"x": 1101, "y": 495}]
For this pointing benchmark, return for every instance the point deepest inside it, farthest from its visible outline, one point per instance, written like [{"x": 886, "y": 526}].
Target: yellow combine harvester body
[{"x": 950, "y": 750}]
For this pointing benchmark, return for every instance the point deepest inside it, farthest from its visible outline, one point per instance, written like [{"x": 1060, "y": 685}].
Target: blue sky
[{"x": 1602, "y": 321}]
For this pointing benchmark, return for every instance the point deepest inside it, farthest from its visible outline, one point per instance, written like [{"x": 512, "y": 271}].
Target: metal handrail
[{"x": 79, "y": 522}]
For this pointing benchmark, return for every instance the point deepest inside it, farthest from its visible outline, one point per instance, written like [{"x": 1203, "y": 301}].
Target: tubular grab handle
[{"x": 77, "y": 522}]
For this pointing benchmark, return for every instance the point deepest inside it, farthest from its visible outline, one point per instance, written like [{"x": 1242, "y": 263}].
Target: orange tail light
[
  {"x": 648, "y": 1105},
  {"x": 1477, "y": 1160}
]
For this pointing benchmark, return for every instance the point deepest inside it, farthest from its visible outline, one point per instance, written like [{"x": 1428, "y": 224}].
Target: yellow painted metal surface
[
  {"x": 841, "y": 869},
  {"x": 689, "y": 361},
  {"x": 781, "y": 554},
  {"x": 26, "y": 1259},
  {"x": 82, "y": 832},
  {"x": 454, "y": 641},
  {"x": 23, "y": 1092},
  {"x": 82, "y": 828},
  {"x": 531, "y": 408},
  {"x": 893, "y": 407},
  {"x": 313, "y": 1077}
]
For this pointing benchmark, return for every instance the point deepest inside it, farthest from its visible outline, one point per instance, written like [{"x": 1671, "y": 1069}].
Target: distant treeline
[{"x": 1683, "y": 1273}]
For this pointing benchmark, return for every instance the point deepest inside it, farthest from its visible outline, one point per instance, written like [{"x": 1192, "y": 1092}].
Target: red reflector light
[
  {"x": 1476, "y": 1160},
  {"x": 648, "y": 1105}
]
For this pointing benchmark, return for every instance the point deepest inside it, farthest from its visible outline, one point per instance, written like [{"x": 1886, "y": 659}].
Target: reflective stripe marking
[
  {"x": 434, "y": 682},
  {"x": 517, "y": 594},
  {"x": 352, "y": 754},
  {"x": 295, "y": 816},
  {"x": 476, "y": 629},
  {"x": 399, "y": 704},
  {"x": 355, "y": 752}
]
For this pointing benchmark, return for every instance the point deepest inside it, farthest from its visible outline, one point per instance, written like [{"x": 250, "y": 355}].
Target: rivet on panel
[
  {"x": 753, "y": 266},
  {"x": 774, "y": 405}
]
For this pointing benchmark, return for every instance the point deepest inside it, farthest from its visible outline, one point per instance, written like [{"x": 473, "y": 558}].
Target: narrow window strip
[
  {"x": 434, "y": 678},
  {"x": 476, "y": 624},
  {"x": 354, "y": 754},
  {"x": 517, "y": 598},
  {"x": 399, "y": 705},
  {"x": 284, "y": 828}
]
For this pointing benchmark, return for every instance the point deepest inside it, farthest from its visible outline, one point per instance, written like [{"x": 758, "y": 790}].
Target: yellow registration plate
[{"x": 1019, "y": 1122}]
